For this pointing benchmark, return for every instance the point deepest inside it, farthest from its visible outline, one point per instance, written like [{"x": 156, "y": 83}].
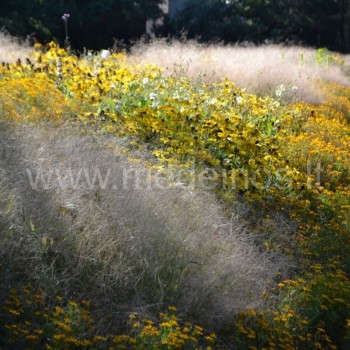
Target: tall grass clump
[
  {"x": 12, "y": 49},
  {"x": 119, "y": 240},
  {"x": 259, "y": 69}
]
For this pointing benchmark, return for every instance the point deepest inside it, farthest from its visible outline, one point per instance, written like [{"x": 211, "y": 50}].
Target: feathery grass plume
[
  {"x": 259, "y": 69},
  {"x": 118, "y": 239},
  {"x": 12, "y": 49}
]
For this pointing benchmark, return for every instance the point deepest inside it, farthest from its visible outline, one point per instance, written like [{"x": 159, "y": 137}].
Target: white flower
[
  {"x": 213, "y": 101},
  {"x": 294, "y": 88},
  {"x": 152, "y": 96},
  {"x": 105, "y": 54},
  {"x": 278, "y": 93},
  {"x": 145, "y": 81},
  {"x": 280, "y": 90},
  {"x": 239, "y": 99}
]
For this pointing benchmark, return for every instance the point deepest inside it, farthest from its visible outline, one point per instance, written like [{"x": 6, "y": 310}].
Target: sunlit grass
[
  {"x": 132, "y": 242},
  {"x": 11, "y": 49},
  {"x": 259, "y": 69}
]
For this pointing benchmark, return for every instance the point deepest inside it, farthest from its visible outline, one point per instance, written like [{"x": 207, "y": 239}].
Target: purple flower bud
[{"x": 65, "y": 17}]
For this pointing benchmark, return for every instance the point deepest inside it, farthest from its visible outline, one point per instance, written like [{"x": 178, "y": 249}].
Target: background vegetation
[
  {"x": 93, "y": 24},
  {"x": 314, "y": 22},
  {"x": 98, "y": 24}
]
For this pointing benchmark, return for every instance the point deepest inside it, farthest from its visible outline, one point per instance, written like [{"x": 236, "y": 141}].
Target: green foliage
[
  {"x": 315, "y": 22},
  {"x": 93, "y": 23},
  {"x": 322, "y": 299}
]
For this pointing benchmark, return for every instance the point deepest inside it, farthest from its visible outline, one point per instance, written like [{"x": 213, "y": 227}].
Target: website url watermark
[{"x": 125, "y": 177}]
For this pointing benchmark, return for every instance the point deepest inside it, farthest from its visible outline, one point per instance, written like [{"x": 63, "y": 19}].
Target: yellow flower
[
  {"x": 99, "y": 338},
  {"x": 32, "y": 337},
  {"x": 211, "y": 337},
  {"x": 73, "y": 304},
  {"x": 13, "y": 312},
  {"x": 59, "y": 337}
]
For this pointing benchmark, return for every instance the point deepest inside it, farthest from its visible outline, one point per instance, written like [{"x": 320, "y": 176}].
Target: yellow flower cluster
[
  {"x": 217, "y": 125},
  {"x": 29, "y": 320},
  {"x": 32, "y": 98},
  {"x": 170, "y": 333}
]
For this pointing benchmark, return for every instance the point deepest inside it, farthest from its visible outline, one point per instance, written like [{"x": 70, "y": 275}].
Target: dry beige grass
[
  {"x": 12, "y": 49},
  {"x": 259, "y": 69},
  {"x": 125, "y": 246}
]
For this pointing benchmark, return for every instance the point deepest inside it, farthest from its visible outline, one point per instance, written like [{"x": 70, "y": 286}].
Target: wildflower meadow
[{"x": 149, "y": 200}]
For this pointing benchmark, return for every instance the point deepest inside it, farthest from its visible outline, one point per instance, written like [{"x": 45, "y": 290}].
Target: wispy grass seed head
[
  {"x": 12, "y": 49},
  {"x": 126, "y": 246}
]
